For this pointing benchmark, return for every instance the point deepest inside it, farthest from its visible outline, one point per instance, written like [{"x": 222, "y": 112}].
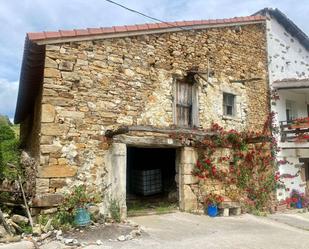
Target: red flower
[
  {"x": 214, "y": 170},
  {"x": 294, "y": 199},
  {"x": 207, "y": 161}
]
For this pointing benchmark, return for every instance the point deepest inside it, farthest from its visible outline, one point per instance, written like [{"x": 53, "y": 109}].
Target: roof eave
[
  {"x": 30, "y": 79},
  {"x": 291, "y": 84},
  {"x": 44, "y": 41}
]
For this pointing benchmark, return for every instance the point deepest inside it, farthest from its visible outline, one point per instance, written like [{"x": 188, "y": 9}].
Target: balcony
[
  {"x": 295, "y": 133},
  {"x": 290, "y": 100}
]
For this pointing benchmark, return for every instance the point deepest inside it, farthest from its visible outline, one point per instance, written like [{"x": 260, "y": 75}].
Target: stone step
[{"x": 231, "y": 211}]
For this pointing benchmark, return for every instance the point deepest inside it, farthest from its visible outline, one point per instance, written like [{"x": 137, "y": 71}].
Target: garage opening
[{"x": 151, "y": 180}]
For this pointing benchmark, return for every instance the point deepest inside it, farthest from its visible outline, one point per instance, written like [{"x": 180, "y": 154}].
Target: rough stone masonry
[{"x": 91, "y": 86}]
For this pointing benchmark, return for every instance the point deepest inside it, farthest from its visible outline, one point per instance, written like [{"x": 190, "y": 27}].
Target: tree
[
  {"x": 4, "y": 120},
  {"x": 6, "y": 133},
  {"x": 9, "y": 153}
]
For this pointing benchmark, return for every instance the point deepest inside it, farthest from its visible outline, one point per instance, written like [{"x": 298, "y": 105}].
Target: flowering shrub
[
  {"x": 251, "y": 167},
  {"x": 296, "y": 196},
  {"x": 302, "y": 137},
  {"x": 299, "y": 121},
  {"x": 213, "y": 199},
  {"x": 274, "y": 96}
]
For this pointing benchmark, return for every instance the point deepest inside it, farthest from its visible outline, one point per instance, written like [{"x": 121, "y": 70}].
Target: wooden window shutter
[{"x": 186, "y": 104}]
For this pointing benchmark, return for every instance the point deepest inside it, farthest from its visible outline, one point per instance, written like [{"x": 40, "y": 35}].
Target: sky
[{"x": 17, "y": 17}]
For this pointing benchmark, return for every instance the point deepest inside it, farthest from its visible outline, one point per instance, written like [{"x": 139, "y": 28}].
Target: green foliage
[
  {"x": 6, "y": 133},
  {"x": 64, "y": 218},
  {"x": 114, "y": 209},
  {"x": 42, "y": 219},
  {"x": 9, "y": 153},
  {"x": 25, "y": 227},
  {"x": 4, "y": 120},
  {"x": 79, "y": 197}
]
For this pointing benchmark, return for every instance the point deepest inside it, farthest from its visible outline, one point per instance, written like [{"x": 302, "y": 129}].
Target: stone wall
[{"x": 92, "y": 86}]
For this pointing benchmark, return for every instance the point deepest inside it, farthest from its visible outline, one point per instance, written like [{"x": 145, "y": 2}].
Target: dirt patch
[{"x": 99, "y": 232}]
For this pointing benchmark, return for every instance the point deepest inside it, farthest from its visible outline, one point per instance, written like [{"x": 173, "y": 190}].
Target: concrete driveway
[
  {"x": 188, "y": 231},
  {"x": 183, "y": 230}
]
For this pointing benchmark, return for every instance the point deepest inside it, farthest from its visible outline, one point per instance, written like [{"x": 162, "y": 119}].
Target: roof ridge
[{"x": 48, "y": 35}]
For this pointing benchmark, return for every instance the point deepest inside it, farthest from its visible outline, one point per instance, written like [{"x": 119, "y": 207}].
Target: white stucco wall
[
  {"x": 287, "y": 59},
  {"x": 286, "y": 56}
]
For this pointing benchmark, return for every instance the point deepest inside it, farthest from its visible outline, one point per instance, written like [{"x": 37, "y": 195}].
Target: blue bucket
[
  {"x": 299, "y": 204},
  {"x": 212, "y": 210},
  {"x": 82, "y": 217}
]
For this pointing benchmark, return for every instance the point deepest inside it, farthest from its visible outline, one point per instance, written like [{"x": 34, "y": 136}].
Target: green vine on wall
[{"x": 250, "y": 165}]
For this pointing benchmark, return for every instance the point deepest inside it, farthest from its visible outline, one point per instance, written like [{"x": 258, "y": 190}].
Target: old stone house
[
  {"x": 288, "y": 60},
  {"x": 154, "y": 79}
]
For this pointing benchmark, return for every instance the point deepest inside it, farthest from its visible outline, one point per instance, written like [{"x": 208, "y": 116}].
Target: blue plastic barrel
[
  {"x": 82, "y": 217},
  {"x": 212, "y": 210}
]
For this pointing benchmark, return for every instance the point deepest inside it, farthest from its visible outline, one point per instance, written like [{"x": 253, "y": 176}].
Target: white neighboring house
[{"x": 288, "y": 60}]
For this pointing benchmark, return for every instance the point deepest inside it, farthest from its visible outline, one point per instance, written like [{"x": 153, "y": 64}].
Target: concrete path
[
  {"x": 298, "y": 220},
  {"x": 188, "y": 231},
  {"x": 183, "y": 230}
]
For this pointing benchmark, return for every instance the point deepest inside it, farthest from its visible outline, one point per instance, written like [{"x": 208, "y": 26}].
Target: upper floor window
[
  {"x": 185, "y": 111},
  {"x": 290, "y": 109},
  {"x": 229, "y": 104}
]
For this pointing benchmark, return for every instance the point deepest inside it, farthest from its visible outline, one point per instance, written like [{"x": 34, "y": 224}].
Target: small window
[{"x": 228, "y": 104}]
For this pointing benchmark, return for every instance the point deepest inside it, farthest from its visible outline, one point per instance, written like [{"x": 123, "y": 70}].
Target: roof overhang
[
  {"x": 43, "y": 38},
  {"x": 291, "y": 84},
  {"x": 31, "y": 78}
]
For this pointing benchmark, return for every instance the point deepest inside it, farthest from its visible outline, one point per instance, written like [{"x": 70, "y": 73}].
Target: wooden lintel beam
[
  {"x": 126, "y": 129},
  {"x": 245, "y": 80}
]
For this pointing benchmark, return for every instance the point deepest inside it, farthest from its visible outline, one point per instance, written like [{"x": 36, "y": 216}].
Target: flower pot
[
  {"x": 299, "y": 126},
  {"x": 299, "y": 204},
  {"x": 212, "y": 210},
  {"x": 82, "y": 217}
]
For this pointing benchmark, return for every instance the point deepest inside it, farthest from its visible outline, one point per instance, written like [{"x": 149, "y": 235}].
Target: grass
[{"x": 144, "y": 208}]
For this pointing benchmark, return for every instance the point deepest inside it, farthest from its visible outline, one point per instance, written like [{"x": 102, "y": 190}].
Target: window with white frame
[
  {"x": 290, "y": 109},
  {"x": 229, "y": 104}
]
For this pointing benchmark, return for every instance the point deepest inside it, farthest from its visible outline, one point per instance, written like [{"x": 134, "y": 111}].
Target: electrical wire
[
  {"x": 172, "y": 25},
  {"x": 145, "y": 15}
]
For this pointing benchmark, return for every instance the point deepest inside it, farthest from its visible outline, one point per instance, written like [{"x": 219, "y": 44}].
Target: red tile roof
[{"x": 75, "y": 33}]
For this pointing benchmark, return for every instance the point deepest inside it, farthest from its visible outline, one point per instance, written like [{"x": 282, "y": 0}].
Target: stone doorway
[
  {"x": 116, "y": 162},
  {"x": 152, "y": 178}
]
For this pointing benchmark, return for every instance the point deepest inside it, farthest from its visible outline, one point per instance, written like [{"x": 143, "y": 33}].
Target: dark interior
[{"x": 160, "y": 162}]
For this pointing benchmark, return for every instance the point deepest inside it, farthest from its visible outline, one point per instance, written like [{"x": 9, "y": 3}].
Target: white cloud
[{"x": 8, "y": 96}]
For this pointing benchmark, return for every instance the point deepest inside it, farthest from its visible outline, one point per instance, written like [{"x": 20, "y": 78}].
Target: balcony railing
[{"x": 296, "y": 131}]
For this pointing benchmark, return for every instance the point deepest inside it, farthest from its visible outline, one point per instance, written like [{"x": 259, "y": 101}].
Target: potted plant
[
  {"x": 78, "y": 200},
  {"x": 298, "y": 199},
  {"x": 211, "y": 202},
  {"x": 300, "y": 123},
  {"x": 302, "y": 138}
]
